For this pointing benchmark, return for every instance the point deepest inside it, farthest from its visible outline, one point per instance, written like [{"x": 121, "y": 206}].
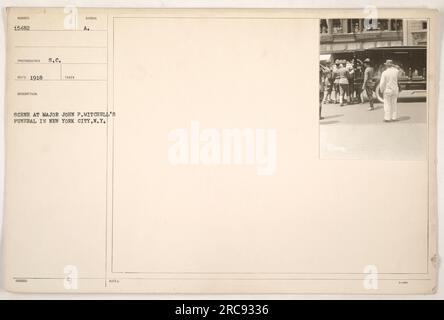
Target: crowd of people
[
  {"x": 337, "y": 85},
  {"x": 338, "y": 81}
]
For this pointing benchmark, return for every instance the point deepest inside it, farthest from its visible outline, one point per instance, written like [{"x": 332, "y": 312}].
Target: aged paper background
[{"x": 302, "y": 230}]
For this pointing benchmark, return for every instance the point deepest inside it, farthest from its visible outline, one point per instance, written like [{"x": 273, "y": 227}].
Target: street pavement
[{"x": 353, "y": 132}]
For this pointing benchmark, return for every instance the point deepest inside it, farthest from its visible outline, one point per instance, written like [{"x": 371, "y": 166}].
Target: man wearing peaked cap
[{"x": 368, "y": 84}]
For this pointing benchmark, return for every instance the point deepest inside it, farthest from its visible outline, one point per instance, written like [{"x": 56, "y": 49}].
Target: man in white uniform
[{"x": 390, "y": 89}]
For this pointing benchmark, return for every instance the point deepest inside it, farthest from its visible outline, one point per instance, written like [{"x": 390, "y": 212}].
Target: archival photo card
[
  {"x": 252, "y": 151},
  {"x": 373, "y": 89}
]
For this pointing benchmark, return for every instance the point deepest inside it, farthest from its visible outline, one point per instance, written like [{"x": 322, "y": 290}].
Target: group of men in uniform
[
  {"x": 337, "y": 85},
  {"x": 338, "y": 82}
]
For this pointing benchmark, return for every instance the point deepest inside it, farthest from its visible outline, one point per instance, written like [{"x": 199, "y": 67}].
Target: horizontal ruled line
[
  {"x": 88, "y": 47},
  {"x": 80, "y": 30},
  {"x": 61, "y": 80},
  {"x": 197, "y": 279},
  {"x": 59, "y": 63}
]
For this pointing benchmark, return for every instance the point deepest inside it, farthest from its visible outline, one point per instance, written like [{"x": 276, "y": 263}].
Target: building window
[
  {"x": 337, "y": 26},
  {"x": 370, "y": 24},
  {"x": 383, "y": 24},
  {"x": 396, "y": 25},
  {"x": 324, "y": 26},
  {"x": 424, "y": 25},
  {"x": 354, "y": 26}
]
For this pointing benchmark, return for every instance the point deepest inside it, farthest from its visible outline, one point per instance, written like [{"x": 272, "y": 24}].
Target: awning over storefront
[{"x": 325, "y": 57}]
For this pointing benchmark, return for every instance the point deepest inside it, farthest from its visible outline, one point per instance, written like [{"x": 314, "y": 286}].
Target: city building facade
[{"x": 355, "y": 34}]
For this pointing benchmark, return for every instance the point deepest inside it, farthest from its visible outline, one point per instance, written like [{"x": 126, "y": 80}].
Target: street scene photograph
[{"x": 373, "y": 89}]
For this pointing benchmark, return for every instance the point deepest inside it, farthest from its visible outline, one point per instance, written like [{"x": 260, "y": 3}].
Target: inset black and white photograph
[{"x": 373, "y": 89}]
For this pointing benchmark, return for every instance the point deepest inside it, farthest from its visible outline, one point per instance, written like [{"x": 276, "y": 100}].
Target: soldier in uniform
[
  {"x": 368, "y": 84},
  {"x": 335, "y": 77},
  {"x": 328, "y": 84},
  {"x": 350, "y": 66},
  {"x": 321, "y": 91},
  {"x": 343, "y": 76}
]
